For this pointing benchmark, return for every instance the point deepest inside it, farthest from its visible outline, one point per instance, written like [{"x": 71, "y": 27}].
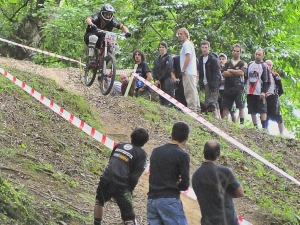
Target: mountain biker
[{"x": 103, "y": 20}]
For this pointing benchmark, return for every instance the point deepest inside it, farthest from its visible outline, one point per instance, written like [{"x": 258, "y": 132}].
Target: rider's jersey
[
  {"x": 126, "y": 164},
  {"x": 96, "y": 19}
]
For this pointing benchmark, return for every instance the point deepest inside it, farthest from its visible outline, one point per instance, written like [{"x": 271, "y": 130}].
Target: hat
[
  {"x": 223, "y": 54},
  {"x": 163, "y": 44}
]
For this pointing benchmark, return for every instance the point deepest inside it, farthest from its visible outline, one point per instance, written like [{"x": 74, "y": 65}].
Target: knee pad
[
  {"x": 117, "y": 47},
  {"x": 93, "y": 40},
  {"x": 212, "y": 107}
]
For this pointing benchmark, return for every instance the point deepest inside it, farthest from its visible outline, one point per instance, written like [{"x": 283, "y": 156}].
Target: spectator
[
  {"x": 170, "y": 166},
  {"x": 210, "y": 78},
  {"x": 124, "y": 79},
  {"x": 189, "y": 70},
  {"x": 223, "y": 60},
  {"x": 177, "y": 78},
  {"x": 233, "y": 73},
  {"x": 215, "y": 186},
  {"x": 258, "y": 83},
  {"x": 143, "y": 70},
  {"x": 272, "y": 96},
  {"x": 126, "y": 164},
  {"x": 163, "y": 66}
]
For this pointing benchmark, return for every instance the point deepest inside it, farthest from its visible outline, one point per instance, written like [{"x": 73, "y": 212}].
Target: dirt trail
[{"x": 116, "y": 126}]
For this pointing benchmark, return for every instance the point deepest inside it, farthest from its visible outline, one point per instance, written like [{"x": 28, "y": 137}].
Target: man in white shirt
[{"x": 189, "y": 70}]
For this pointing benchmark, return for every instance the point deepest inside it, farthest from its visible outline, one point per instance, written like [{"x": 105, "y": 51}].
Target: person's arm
[
  {"x": 137, "y": 170},
  {"x": 265, "y": 77},
  {"x": 216, "y": 78},
  {"x": 186, "y": 63},
  {"x": 124, "y": 29},
  {"x": 225, "y": 72},
  {"x": 237, "y": 73},
  {"x": 89, "y": 21},
  {"x": 167, "y": 68},
  {"x": 184, "y": 176},
  {"x": 239, "y": 192}
]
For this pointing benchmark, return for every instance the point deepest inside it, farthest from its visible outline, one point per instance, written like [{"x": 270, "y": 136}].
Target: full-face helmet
[{"x": 107, "y": 12}]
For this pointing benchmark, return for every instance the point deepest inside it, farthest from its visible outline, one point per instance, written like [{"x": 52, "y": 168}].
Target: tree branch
[
  {"x": 156, "y": 31},
  {"x": 15, "y": 13},
  {"x": 228, "y": 14}
]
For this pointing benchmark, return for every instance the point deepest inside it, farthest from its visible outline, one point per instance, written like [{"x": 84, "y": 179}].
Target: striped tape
[
  {"x": 82, "y": 125},
  {"x": 215, "y": 129},
  {"x": 42, "y": 51}
]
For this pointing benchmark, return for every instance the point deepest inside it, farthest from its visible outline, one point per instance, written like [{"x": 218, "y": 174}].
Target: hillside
[{"x": 55, "y": 167}]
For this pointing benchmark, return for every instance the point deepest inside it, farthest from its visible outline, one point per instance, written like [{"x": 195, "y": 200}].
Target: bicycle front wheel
[
  {"x": 90, "y": 69},
  {"x": 108, "y": 74}
]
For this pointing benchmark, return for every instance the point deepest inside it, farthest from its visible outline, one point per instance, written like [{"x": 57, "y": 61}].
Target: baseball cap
[{"x": 223, "y": 54}]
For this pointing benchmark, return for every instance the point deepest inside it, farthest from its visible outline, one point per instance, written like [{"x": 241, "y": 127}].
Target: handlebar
[{"x": 110, "y": 34}]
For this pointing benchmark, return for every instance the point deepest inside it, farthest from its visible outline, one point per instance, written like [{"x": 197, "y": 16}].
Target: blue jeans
[{"x": 165, "y": 211}]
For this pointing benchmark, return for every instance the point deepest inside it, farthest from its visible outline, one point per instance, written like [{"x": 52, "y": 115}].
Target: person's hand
[
  {"x": 128, "y": 34},
  {"x": 262, "y": 95},
  {"x": 157, "y": 83},
  {"x": 94, "y": 27}
]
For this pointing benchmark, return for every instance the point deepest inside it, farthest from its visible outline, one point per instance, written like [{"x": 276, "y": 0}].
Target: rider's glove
[
  {"x": 94, "y": 27},
  {"x": 128, "y": 34}
]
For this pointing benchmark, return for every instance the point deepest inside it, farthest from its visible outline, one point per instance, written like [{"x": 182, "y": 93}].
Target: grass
[
  {"x": 273, "y": 193},
  {"x": 263, "y": 186}
]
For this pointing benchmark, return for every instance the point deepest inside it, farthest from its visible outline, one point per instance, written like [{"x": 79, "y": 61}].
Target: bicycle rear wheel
[
  {"x": 90, "y": 69},
  {"x": 108, "y": 74}
]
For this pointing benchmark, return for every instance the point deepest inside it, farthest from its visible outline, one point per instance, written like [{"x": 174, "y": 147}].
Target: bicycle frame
[{"x": 110, "y": 40}]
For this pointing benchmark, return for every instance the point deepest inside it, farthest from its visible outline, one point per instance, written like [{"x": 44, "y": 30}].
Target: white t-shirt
[
  {"x": 188, "y": 48},
  {"x": 254, "y": 82},
  {"x": 116, "y": 89}
]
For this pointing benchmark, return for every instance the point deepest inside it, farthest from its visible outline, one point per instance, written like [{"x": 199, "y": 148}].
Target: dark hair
[
  {"x": 142, "y": 55},
  {"x": 139, "y": 137},
  {"x": 180, "y": 131},
  {"x": 212, "y": 150},
  {"x": 163, "y": 44},
  {"x": 205, "y": 43}
]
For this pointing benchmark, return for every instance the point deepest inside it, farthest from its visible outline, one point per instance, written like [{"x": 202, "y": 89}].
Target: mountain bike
[{"x": 105, "y": 63}]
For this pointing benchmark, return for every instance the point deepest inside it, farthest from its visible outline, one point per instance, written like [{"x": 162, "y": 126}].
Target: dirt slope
[{"x": 117, "y": 123}]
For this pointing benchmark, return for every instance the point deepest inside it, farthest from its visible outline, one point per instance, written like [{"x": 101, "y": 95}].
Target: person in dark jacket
[
  {"x": 209, "y": 77},
  {"x": 272, "y": 97},
  {"x": 126, "y": 164},
  {"x": 163, "y": 66},
  {"x": 169, "y": 174},
  {"x": 179, "y": 91}
]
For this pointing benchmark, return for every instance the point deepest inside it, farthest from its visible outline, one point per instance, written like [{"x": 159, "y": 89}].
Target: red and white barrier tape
[
  {"x": 42, "y": 51},
  {"x": 215, "y": 129},
  {"x": 82, "y": 125}
]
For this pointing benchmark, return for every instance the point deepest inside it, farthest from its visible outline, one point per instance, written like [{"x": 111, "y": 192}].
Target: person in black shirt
[
  {"x": 233, "y": 72},
  {"x": 179, "y": 91},
  {"x": 103, "y": 20},
  {"x": 163, "y": 66},
  {"x": 215, "y": 186},
  {"x": 169, "y": 174},
  {"x": 126, "y": 164},
  {"x": 144, "y": 71}
]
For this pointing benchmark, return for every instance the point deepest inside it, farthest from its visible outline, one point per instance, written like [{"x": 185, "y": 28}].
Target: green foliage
[
  {"x": 16, "y": 204},
  {"x": 268, "y": 24}
]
